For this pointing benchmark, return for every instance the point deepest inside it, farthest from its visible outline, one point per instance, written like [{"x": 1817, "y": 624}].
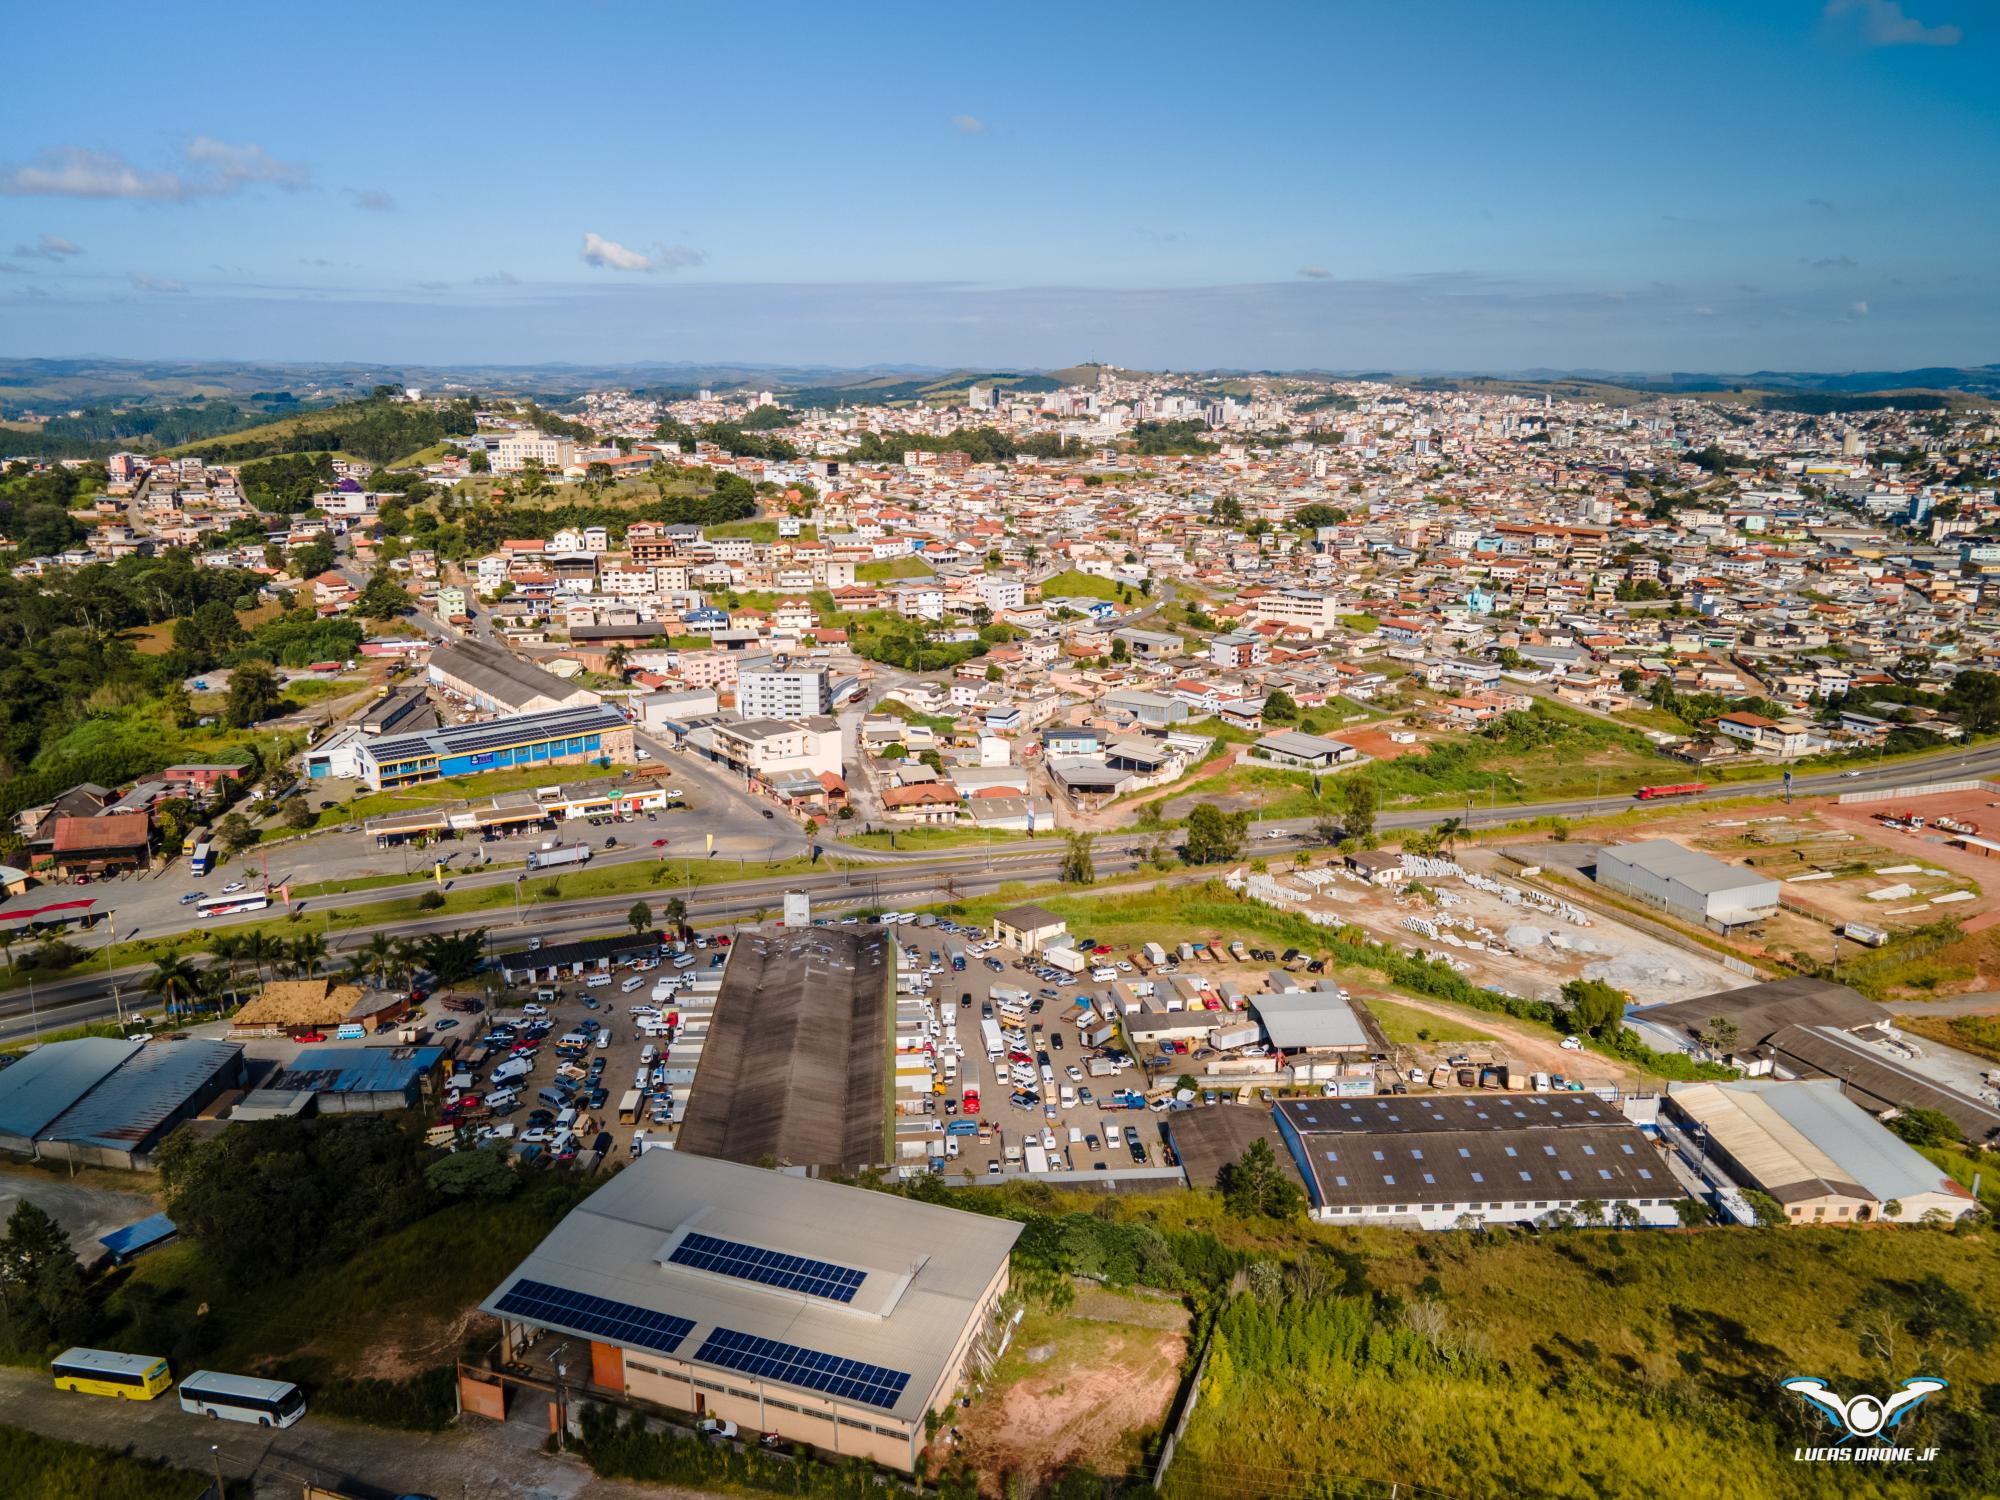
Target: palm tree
[
  {"x": 307, "y": 950},
  {"x": 174, "y": 980},
  {"x": 377, "y": 958},
  {"x": 617, "y": 658},
  {"x": 1448, "y": 832},
  {"x": 259, "y": 949}
]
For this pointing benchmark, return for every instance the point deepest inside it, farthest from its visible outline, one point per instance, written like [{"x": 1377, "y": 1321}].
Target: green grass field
[
  {"x": 759, "y": 531},
  {"x": 1080, "y": 585},
  {"x": 1618, "y": 1365},
  {"x": 891, "y": 569},
  {"x": 39, "y": 1468},
  {"x": 1401, "y": 1024},
  {"x": 932, "y": 838}
]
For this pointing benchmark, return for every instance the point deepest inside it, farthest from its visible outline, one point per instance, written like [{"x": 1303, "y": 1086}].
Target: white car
[
  {"x": 1276, "y": 833},
  {"x": 713, "y": 1427},
  {"x": 532, "y": 1009},
  {"x": 232, "y": 888},
  {"x": 1572, "y": 1044}
]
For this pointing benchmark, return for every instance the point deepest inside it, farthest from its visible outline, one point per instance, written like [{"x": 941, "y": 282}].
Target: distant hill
[{"x": 918, "y": 390}]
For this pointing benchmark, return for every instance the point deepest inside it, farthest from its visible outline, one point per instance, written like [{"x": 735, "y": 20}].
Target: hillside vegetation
[{"x": 377, "y": 429}]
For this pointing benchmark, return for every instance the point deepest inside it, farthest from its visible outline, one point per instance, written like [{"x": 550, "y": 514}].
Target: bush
[
  {"x": 630, "y": 1450},
  {"x": 425, "y": 1402},
  {"x": 40, "y": 1468}
]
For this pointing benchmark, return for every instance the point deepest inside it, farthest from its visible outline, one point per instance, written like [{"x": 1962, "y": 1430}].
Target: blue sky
[{"x": 1797, "y": 184}]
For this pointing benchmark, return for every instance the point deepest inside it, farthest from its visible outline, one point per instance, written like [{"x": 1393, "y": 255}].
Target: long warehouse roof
[{"x": 496, "y": 734}]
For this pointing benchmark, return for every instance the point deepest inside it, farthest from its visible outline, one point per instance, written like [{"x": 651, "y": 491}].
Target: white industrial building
[{"x": 1687, "y": 883}]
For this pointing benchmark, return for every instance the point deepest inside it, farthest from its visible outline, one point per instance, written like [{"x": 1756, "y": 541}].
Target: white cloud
[
  {"x": 1315, "y": 273},
  {"x": 498, "y": 278},
  {"x": 49, "y": 247},
  {"x": 968, "y": 124},
  {"x": 233, "y": 167},
  {"x": 609, "y": 255},
  {"x": 373, "y": 199},
  {"x": 143, "y": 283},
  {"x": 1884, "y": 24},
  {"x": 1858, "y": 310},
  {"x": 210, "y": 169}
]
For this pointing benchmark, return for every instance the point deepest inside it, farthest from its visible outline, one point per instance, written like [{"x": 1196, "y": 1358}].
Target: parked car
[{"x": 714, "y": 1426}]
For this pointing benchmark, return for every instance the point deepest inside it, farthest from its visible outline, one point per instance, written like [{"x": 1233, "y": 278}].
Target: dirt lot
[
  {"x": 1530, "y": 1050},
  {"x": 1086, "y": 1387}
]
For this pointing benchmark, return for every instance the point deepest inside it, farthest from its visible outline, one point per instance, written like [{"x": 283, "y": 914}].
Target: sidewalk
[{"x": 478, "y": 1460}]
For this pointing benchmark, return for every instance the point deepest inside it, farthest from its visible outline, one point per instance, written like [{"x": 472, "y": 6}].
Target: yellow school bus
[{"x": 104, "y": 1372}]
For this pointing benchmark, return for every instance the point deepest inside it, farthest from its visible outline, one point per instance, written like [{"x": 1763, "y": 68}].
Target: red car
[
  {"x": 311, "y": 1036},
  {"x": 659, "y": 843}
]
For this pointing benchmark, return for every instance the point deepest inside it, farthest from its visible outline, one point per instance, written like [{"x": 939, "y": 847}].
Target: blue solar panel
[
  {"x": 794, "y": 1273},
  {"x": 848, "y": 1379},
  {"x": 598, "y": 1317}
]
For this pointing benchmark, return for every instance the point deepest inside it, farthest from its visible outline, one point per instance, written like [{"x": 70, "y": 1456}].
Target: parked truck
[{"x": 548, "y": 859}]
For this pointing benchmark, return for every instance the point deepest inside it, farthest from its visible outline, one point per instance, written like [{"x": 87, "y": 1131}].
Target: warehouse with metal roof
[
  {"x": 1818, "y": 1153},
  {"x": 1453, "y": 1159},
  {"x": 361, "y": 1080},
  {"x": 565, "y": 736},
  {"x": 1317, "y": 1021},
  {"x": 1876, "y": 1081},
  {"x": 493, "y": 678},
  {"x": 105, "y": 1101},
  {"x": 827, "y": 1314},
  {"x": 1691, "y": 885}
]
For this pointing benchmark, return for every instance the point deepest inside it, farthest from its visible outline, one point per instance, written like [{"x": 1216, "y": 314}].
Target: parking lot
[
  {"x": 578, "y": 1044},
  {"x": 1041, "y": 1090}
]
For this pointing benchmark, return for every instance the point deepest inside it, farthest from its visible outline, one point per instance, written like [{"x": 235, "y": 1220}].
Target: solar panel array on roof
[
  {"x": 849, "y": 1379},
  {"x": 616, "y": 1322},
  {"x": 466, "y": 739},
  {"x": 794, "y": 1273}
]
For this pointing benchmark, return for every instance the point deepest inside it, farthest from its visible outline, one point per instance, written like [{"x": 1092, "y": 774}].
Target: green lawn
[
  {"x": 759, "y": 531},
  {"x": 1082, "y": 586},
  {"x": 891, "y": 569},
  {"x": 1400, "y": 1024},
  {"x": 450, "y": 789}
]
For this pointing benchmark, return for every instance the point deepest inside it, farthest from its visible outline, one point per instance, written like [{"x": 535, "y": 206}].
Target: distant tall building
[
  {"x": 784, "y": 695},
  {"x": 982, "y": 398}
]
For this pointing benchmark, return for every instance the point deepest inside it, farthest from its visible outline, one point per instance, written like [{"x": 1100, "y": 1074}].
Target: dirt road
[
  {"x": 479, "y": 1460},
  {"x": 1536, "y": 1051}
]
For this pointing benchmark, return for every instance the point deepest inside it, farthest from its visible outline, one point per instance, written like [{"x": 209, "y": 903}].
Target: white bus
[
  {"x": 268, "y": 1403},
  {"x": 224, "y": 906}
]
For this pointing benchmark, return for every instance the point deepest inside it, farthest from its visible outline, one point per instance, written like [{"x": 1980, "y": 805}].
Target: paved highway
[{"x": 895, "y": 877}]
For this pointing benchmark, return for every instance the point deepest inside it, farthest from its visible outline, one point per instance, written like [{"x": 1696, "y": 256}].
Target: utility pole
[{"x": 215, "y": 1453}]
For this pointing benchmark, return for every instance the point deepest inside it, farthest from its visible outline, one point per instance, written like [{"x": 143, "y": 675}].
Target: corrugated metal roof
[
  {"x": 50, "y": 1079},
  {"x": 357, "y": 1070},
  {"x": 1702, "y": 873},
  {"x": 151, "y": 1085},
  {"x": 1312, "y": 1018}
]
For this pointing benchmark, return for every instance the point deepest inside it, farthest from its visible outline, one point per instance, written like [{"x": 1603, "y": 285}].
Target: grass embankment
[
  {"x": 40, "y": 1468},
  {"x": 1979, "y": 1035},
  {"x": 1072, "y": 584},
  {"x": 1613, "y": 1365},
  {"x": 935, "y": 838},
  {"x": 1408, "y": 1027}
]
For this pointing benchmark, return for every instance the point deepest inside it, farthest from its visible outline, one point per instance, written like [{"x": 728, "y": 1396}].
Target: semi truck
[{"x": 548, "y": 859}]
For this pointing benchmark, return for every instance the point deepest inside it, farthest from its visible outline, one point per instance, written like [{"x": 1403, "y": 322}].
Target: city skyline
[{"x": 1783, "y": 186}]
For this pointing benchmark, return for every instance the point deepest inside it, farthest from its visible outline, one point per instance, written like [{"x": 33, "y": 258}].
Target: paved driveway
[
  {"x": 87, "y": 1212},
  {"x": 479, "y": 1460}
]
